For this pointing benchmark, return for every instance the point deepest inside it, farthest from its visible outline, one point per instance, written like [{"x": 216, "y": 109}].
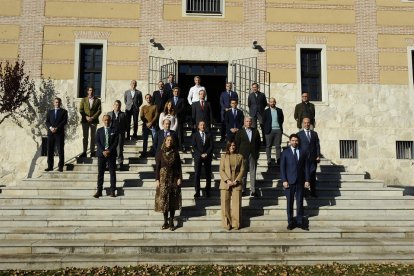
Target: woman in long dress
[
  {"x": 231, "y": 174},
  {"x": 168, "y": 178}
]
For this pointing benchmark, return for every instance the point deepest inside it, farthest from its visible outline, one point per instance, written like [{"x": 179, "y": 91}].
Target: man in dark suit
[
  {"x": 248, "y": 143},
  {"x": 309, "y": 142},
  {"x": 202, "y": 144},
  {"x": 132, "y": 100},
  {"x": 294, "y": 173},
  {"x": 106, "y": 142},
  {"x": 56, "y": 120},
  {"x": 305, "y": 109},
  {"x": 202, "y": 111},
  {"x": 225, "y": 101},
  {"x": 119, "y": 122},
  {"x": 257, "y": 103},
  {"x": 160, "y": 97},
  {"x": 90, "y": 109},
  {"x": 169, "y": 86},
  {"x": 273, "y": 129},
  {"x": 162, "y": 133},
  {"x": 179, "y": 108},
  {"x": 234, "y": 119}
]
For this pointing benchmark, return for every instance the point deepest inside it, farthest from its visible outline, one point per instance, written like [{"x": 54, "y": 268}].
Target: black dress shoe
[
  {"x": 97, "y": 195},
  {"x": 304, "y": 227},
  {"x": 60, "y": 169},
  {"x": 244, "y": 193},
  {"x": 48, "y": 169},
  {"x": 254, "y": 194},
  {"x": 165, "y": 225},
  {"x": 93, "y": 154},
  {"x": 83, "y": 155},
  {"x": 196, "y": 195},
  {"x": 290, "y": 226}
]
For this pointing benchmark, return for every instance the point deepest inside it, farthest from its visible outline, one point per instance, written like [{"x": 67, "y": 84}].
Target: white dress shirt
[{"x": 193, "y": 94}]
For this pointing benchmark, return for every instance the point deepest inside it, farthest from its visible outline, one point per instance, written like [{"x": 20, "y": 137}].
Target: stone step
[
  {"x": 189, "y": 200},
  {"x": 188, "y": 173},
  {"x": 200, "y": 210},
  {"x": 199, "y": 221},
  {"x": 61, "y": 261},
  {"x": 187, "y": 190},
  {"x": 202, "y": 233},
  {"x": 52, "y": 183},
  {"x": 185, "y": 246}
]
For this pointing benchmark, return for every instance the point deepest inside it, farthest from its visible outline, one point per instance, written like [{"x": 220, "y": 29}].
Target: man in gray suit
[
  {"x": 248, "y": 142},
  {"x": 132, "y": 100}
]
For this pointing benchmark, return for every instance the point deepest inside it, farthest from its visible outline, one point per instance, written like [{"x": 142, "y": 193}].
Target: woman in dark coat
[{"x": 168, "y": 178}]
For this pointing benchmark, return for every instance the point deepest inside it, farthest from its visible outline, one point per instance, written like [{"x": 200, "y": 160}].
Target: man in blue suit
[
  {"x": 234, "y": 119},
  {"x": 225, "y": 102},
  {"x": 162, "y": 133},
  {"x": 310, "y": 143},
  {"x": 56, "y": 120},
  {"x": 294, "y": 172},
  {"x": 106, "y": 142}
]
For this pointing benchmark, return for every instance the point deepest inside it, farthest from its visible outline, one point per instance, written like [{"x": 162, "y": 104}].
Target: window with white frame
[
  {"x": 311, "y": 71},
  {"x": 90, "y": 67},
  {"x": 410, "y": 51},
  {"x": 204, "y": 7}
]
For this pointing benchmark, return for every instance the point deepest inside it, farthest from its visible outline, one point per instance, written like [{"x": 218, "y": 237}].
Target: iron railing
[
  {"x": 404, "y": 149},
  {"x": 158, "y": 70},
  {"x": 348, "y": 149},
  {"x": 204, "y": 6}
]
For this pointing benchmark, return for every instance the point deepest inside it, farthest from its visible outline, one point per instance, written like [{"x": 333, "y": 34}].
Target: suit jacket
[
  {"x": 312, "y": 147},
  {"x": 93, "y": 111},
  {"x": 160, "y": 138},
  {"x": 232, "y": 122},
  {"x": 129, "y": 101},
  {"x": 168, "y": 88},
  {"x": 199, "y": 148},
  {"x": 303, "y": 110},
  {"x": 294, "y": 171},
  {"x": 179, "y": 108},
  {"x": 120, "y": 123},
  {"x": 256, "y": 104},
  {"x": 100, "y": 142},
  {"x": 235, "y": 174},
  {"x": 267, "y": 119},
  {"x": 59, "y": 122},
  {"x": 246, "y": 147},
  {"x": 205, "y": 115},
  {"x": 225, "y": 101},
  {"x": 160, "y": 101}
]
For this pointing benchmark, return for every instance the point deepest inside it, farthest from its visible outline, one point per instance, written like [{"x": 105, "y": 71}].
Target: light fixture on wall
[
  {"x": 257, "y": 46},
  {"x": 156, "y": 44}
]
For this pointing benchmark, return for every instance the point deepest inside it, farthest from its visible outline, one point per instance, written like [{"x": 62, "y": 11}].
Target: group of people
[{"x": 163, "y": 117}]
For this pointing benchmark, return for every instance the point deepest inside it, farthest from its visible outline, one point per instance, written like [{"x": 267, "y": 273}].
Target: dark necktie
[
  {"x": 203, "y": 138},
  {"x": 56, "y": 111},
  {"x": 296, "y": 155},
  {"x": 202, "y": 105}
]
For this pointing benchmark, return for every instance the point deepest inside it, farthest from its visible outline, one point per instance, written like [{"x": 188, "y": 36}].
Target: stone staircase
[{"x": 53, "y": 221}]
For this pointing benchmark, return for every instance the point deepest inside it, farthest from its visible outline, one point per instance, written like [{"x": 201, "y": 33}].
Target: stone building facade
[{"x": 365, "y": 50}]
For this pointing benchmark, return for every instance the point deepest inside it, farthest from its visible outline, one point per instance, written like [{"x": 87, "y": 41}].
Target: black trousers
[
  {"x": 102, "y": 162},
  {"x": 132, "y": 114},
  {"x": 198, "y": 163},
  {"x": 295, "y": 191},
  {"x": 55, "y": 140}
]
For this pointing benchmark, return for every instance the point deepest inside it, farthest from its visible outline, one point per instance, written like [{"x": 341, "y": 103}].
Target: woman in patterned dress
[{"x": 168, "y": 178}]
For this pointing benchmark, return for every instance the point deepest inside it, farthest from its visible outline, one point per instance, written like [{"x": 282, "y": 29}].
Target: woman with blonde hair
[
  {"x": 168, "y": 178},
  {"x": 231, "y": 174},
  {"x": 169, "y": 113}
]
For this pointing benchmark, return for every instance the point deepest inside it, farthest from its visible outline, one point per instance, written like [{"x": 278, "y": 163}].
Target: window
[
  {"x": 90, "y": 67},
  {"x": 348, "y": 149},
  {"x": 410, "y": 51},
  {"x": 213, "y": 7},
  {"x": 311, "y": 73},
  {"x": 404, "y": 149}
]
